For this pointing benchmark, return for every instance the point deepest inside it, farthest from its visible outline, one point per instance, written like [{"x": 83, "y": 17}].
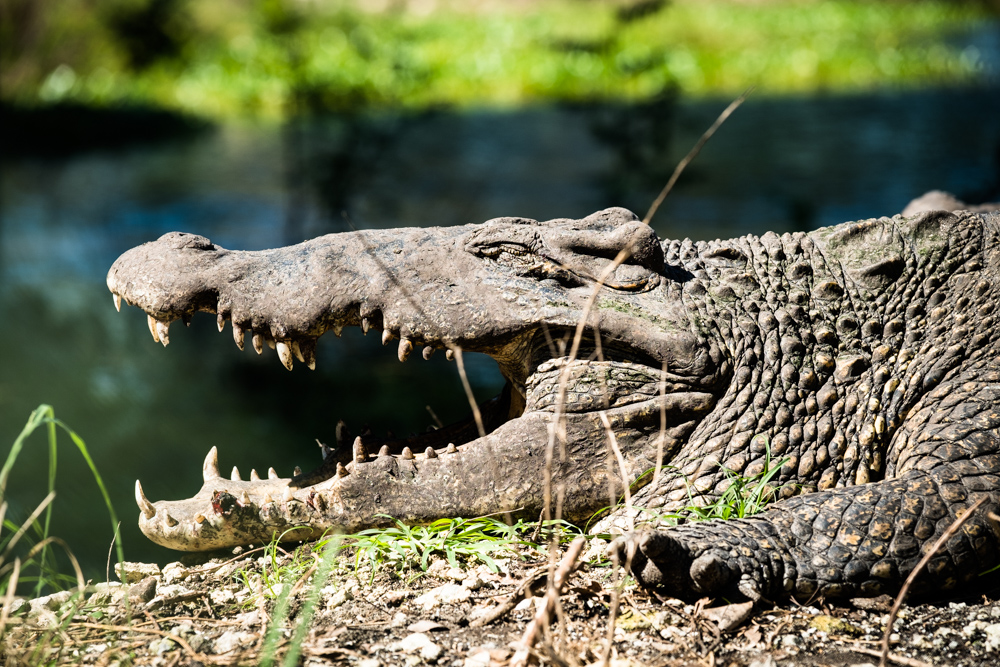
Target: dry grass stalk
[
  {"x": 937, "y": 546},
  {"x": 541, "y": 619},
  {"x": 693, "y": 153}
]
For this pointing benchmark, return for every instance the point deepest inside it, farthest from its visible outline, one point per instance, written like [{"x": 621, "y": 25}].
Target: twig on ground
[
  {"x": 541, "y": 619},
  {"x": 893, "y": 657},
  {"x": 505, "y": 607},
  {"x": 948, "y": 534}
]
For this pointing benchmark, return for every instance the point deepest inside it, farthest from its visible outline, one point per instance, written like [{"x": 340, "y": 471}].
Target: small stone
[
  {"x": 480, "y": 659},
  {"x": 174, "y": 572},
  {"x": 834, "y": 626},
  {"x": 446, "y": 594},
  {"x": 339, "y": 598},
  {"x": 222, "y": 596},
  {"x": 161, "y": 646},
  {"x": 130, "y": 573},
  {"x": 142, "y": 591},
  {"x": 230, "y": 640}
]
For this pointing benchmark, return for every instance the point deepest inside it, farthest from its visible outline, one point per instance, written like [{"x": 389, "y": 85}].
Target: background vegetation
[{"x": 272, "y": 57}]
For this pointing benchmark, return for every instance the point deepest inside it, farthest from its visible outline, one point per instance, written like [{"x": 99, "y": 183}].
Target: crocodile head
[{"x": 589, "y": 327}]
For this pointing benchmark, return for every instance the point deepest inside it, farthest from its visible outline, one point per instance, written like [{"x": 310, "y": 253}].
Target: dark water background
[{"x": 779, "y": 164}]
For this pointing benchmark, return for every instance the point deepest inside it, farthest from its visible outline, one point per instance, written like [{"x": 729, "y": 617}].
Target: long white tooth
[
  {"x": 171, "y": 521},
  {"x": 430, "y": 453},
  {"x": 258, "y": 343},
  {"x": 297, "y": 351},
  {"x": 405, "y": 347},
  {"x": 245, "y": 498},
  {"x": 267, "y": 498},
  {"x": 236, "y": 475},
  {"x": 118, "y": 301},
  {"x": 360, "y": 452},
  {"x": 238, "y": 335},
  {"x": 365, "y": 325},
  {"x": 407, "y": 454},
  {"x": 341, "y": 470},
  {"x": 151, "y": 321},
  {"x": 451, "y": 448},
  {"x": 288, "y": 494},
  {"x": 285, "y": 354},
  {"x": 449, "y": 354},
  {"x": 210, "y": 468},
  {"x": 270, "y": 343},
  {"x": 272, "y": 473},
  {"x": 428, "y": 352},
  {"x": 386, "y": 336},
  {"x": 220, "y": 321},
  {"x": 147, "y": 508},
  {"x": 163, "y": 331},
  {"x": 254, "y": 477},
  {"x": 383, "y": 451}
]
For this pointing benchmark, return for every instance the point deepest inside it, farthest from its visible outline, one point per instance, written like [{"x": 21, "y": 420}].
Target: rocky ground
[{"x": 216, "y": 612}]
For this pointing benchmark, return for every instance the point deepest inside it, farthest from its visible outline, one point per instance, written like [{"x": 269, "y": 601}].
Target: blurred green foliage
[{"x": 274, "y": 57}]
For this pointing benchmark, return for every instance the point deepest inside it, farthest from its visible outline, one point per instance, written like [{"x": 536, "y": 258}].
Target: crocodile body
[{"x": 865, "y": 357}]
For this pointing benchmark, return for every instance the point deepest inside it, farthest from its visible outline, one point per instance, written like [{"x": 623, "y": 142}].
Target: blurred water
[{"x": 152, "y": 413}]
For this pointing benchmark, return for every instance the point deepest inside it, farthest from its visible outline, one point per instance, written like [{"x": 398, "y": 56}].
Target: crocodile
[{"x": 641, "y": 375}]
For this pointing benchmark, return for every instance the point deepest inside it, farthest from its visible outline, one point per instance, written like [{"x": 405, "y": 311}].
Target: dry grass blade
[
  {"x": 541, "y": 619},
  {"x": 35, "y": 550},
  {"x": 27, "y": 524},
  {"x": 948, "y": 534},
  {"x": 726, "y": 113},
  {"x": 476, "y": 414},
  {"x": 8, "y": 599},
  {"x": 616, "y": 450}
]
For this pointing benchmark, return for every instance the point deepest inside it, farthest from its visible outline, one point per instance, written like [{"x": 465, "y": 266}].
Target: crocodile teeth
[
  {"x": 163, "y": 331},
  {"x": 200, "y": 518},
  {"x": 272, "y": 473},
  {"x": 297, "y": 351},
  {"x": 365, "y": 325},
  {"x": 235, "y": 476},
  {"x": 428, "y": 352},
  {"x": 171, "y": 521},
  {"x": 210, "y": 468},
  {"x": 383, "y": 452},
  {"x": 245, "y": 498},
  {"x": 118, "y": 301},
  {"x": 341, "y": 470},
  {"x": 267, "y": 498},
  {"x": 151, "y": 321},
  {"x": 271, "y": 343},
  {"x": 258, "y": 343},
  {"x": 407, "y": 454},
  {"x": 147, "y": 508},
  {"x": 359, "y": 451},
  {"x": 320, "y": 502},
  {"x": 296, "y": 471},
  {"x": 288, "y": 494},
  {"x": 337, "y": 330},
  {"x": 449, "y": 354},
  {"x": 238, "y": 335},
  {"x": 451, "y": 448},
  {"x": 386, "y": 336},
  {"x": 220, "y": 321},
  {"x": 285, "y": 354},
  {"x": 324, "y": 449},
  {"x": 254, "y": 477},
  {"x": 405, "y": 347},
  {"x": 430, "y": 453}
]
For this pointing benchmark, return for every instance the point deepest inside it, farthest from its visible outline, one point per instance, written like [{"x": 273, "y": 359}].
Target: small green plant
[
  {"x": 477, "y": 539},
  {"x": 745, "y": 495},
  {"x": 35, "y": 529}
]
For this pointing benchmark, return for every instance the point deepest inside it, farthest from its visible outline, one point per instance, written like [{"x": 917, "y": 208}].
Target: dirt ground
[{"x": 215, "y": 612}]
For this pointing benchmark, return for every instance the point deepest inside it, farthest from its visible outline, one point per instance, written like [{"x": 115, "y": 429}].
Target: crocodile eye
[{"x": 512, "y": 253}]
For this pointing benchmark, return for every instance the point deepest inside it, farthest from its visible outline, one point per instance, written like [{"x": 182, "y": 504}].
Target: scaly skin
[{"x": 864, "y": 354}]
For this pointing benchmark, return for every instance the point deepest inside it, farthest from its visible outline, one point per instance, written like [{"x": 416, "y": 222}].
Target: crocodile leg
[{"x": 861, "y": 540}]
